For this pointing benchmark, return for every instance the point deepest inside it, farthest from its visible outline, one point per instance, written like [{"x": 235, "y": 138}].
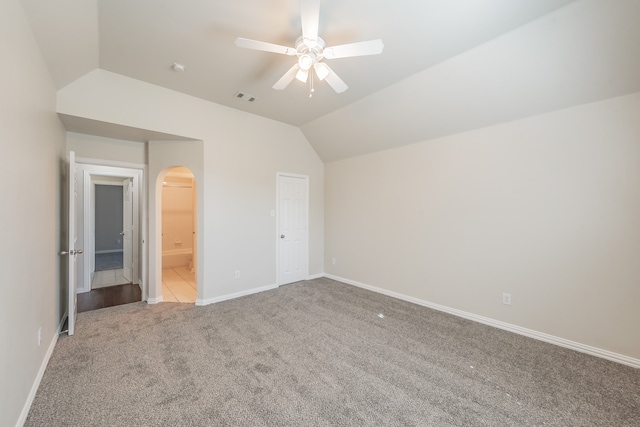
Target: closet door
[{"x": 293, "y": 207}]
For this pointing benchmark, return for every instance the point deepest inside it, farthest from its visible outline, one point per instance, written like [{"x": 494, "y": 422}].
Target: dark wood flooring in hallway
[{"x": 109, "y": 297}]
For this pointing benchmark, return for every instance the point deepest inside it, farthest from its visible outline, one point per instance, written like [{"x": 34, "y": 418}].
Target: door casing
[{"x": 140, "y": 258}]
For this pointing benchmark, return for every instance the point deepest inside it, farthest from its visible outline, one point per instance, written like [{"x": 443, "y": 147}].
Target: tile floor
[
  {"x": 102, "y": 279},
  {"x": 179, "y": 285}
]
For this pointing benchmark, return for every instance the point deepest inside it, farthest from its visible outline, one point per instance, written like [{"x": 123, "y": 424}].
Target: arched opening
[{"x": 178, "y": 235}]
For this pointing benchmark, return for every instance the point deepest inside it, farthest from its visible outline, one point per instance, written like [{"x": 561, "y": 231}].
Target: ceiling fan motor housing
[{"x": 309, "y": 52}]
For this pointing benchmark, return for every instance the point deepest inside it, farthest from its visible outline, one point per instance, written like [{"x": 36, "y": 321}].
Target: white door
[
  {"x": 71, "y": 251},
  {"x": 127, "y": 228},
  {"x": 292, "y": 228}
]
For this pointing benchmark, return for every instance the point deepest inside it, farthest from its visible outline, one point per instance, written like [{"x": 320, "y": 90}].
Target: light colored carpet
[{"x": 317, "y": 353}]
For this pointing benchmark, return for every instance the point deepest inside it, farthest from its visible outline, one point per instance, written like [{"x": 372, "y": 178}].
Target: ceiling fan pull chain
[{"x": 312, "y": 89}]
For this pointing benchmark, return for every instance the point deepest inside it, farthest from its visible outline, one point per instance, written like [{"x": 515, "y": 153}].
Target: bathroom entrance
[{"x": 179, "y": 233}]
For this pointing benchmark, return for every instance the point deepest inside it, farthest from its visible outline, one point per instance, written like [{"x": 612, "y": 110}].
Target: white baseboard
[
  {"x": 154, "y": 300},
  {"x": 38, "y": 379},
  {"x": 315, "y": 276},
  {"x": 207, "y": 301},
  {"x": 541, "y": 336}
]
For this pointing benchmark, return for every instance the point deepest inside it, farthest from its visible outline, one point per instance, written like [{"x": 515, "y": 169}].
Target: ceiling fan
[{"x": 311, "y": 50}]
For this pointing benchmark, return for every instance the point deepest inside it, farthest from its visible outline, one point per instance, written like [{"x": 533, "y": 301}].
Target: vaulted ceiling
[{"x": 447, "y": 65}]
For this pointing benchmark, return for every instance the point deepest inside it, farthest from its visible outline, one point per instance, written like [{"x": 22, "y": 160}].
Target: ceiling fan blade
[
  {"x": 287, "y": 78},
  {"x": 310, "y": 16},
  {"x": 334, "y": 81},
  {"x": 267, "y": 47},
  {"x": 371, "y": 47}
]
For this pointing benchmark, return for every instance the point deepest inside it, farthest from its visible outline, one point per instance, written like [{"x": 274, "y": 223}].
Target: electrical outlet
[
  {"x": 333, "y": 261},
  {"x": 237, "y": 274},
  {"x": 39, "y": 336},
  {"x": 506, "y": 298}
]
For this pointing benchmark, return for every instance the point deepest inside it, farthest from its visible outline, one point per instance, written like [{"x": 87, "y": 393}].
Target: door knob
[
  {"x": 282, "y": 236},
  {"x": 122, "y": 233},
  {"x": 71, "y": 252}
]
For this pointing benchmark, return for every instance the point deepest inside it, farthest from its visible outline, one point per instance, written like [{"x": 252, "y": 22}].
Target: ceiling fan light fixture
[
  {"x": 322, "y": 71},
  {"x": 302, "y": 75},
  {"x": 311, "y": 50},
  {"x": 306, "y": 61}
]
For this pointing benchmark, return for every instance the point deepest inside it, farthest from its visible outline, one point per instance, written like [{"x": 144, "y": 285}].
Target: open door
[
  {"x": 71, "y": 251},
  {"x": 127, "y": 229}
]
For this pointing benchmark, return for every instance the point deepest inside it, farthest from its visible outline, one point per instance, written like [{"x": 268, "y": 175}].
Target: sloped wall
[{"x": 584, "y": 52}]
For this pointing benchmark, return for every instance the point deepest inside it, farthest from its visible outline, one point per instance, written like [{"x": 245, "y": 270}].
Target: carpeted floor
[
  {"x": 109, "y": 261},
  {"x": 317, "y": 353}
]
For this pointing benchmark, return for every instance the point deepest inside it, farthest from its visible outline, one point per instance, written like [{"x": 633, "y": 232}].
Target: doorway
[
  {"x": 108, "y": 230},
  {"x": 179, "y": 226},
  {"x": 123, "y": 238}
]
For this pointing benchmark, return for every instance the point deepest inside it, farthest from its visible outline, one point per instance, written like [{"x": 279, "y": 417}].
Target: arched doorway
[{"x": 178, "y": 235}]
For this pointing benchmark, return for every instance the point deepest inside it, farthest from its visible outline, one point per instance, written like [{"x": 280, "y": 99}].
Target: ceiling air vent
[{"x": 245, "y": 97}]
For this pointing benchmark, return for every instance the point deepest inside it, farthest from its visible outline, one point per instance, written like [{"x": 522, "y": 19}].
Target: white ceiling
[{"x": 143, "y": 38}]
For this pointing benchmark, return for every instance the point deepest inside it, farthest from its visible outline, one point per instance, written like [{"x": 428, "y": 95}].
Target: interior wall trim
[
  {"x": 541, "y": 336},
  {"x": 155, "y": 300},
  {"x": 207, "y": 301},
  {"x": 111, "y": 163}
]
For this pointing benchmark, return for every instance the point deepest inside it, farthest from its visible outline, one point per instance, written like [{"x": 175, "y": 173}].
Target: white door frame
[
  {"x": 139, "y": 213},
  {"x": 279, "y": 175}
]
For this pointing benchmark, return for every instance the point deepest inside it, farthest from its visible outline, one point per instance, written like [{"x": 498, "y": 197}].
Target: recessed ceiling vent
[{"x": 245, "y": 97}]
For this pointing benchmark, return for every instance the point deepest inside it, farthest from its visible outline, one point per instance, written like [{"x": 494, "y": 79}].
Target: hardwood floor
[{"x": 108, "y": 297}]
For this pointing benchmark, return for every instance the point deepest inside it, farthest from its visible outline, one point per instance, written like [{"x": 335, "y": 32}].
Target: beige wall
[
  {"x": 32, "y": 140},
  {"x": 114, "y": 150},
  {"x": 240, "y": 156},
  {"x": 546, "y": 208}
]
